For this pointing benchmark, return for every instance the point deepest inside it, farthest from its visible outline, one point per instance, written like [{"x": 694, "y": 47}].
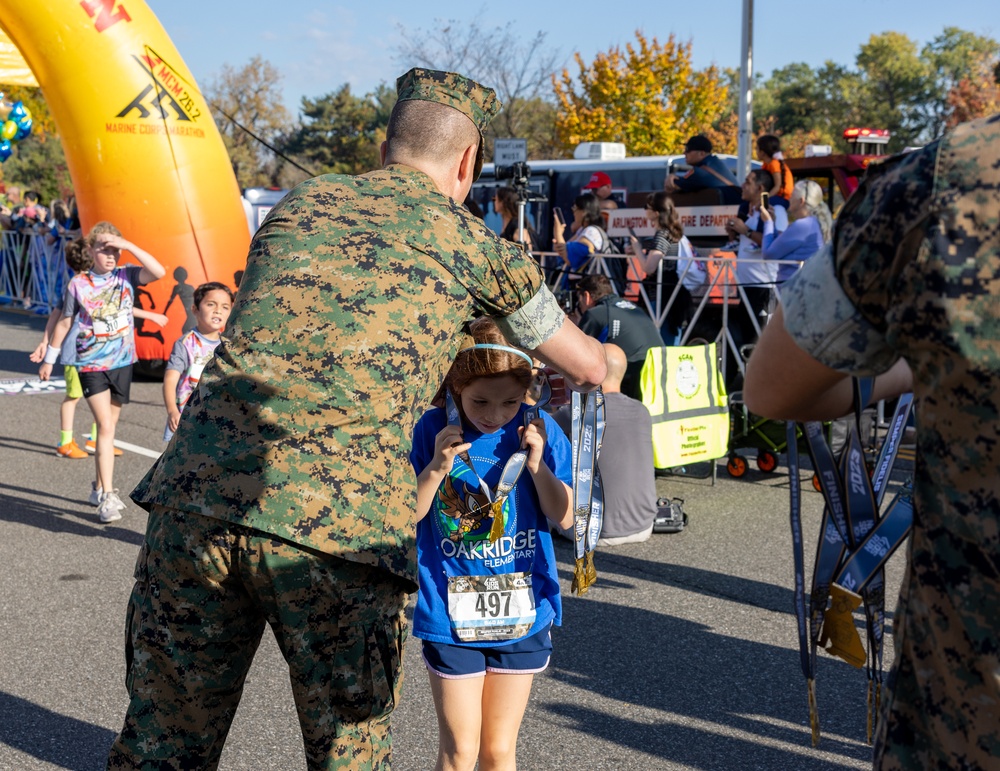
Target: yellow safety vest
[{"x": 686, "y": 397}]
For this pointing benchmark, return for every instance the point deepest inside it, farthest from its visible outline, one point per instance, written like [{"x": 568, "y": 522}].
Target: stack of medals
[
  {"x": 588, "y": 498},
  {"x": 856, "y": 540},
  {"x": 512, "y": 469}
]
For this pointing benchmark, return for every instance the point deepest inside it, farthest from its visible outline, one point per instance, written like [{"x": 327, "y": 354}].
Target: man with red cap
[{"x": 600, "y": 183}]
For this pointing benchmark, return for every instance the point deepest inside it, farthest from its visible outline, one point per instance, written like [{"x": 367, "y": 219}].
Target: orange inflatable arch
[{"x": 142, "y": 148}]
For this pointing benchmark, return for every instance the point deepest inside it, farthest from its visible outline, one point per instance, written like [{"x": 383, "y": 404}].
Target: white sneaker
[
  {"x": 110, "y": 508},
  {"x": 96, "y": 493}
]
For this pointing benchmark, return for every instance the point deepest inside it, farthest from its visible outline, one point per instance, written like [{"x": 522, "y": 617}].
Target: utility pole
[{"x": 744, "y": 148}]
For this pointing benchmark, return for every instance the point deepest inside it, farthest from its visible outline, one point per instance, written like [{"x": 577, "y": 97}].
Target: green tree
[
  {"x": 517, "y": 67},
  {"x": 895, "y": 85},
  {"x": 648, "y": 96},
  {"x": 341, "y": 133},
  {"x": 805, "y": 106},
  {"x": 977, "y": 94},
  {"x": 246, "y": 102},
  {"x": 38, "y": 161},
  {"x": 961, "y": 64}
]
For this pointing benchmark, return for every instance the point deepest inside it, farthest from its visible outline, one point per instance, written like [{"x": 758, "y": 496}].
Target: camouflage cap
[{"x": 478, "y": 103}]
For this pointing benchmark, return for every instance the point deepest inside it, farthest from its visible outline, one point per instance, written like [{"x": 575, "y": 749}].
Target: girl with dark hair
[
  {"x": 505, "y": 203},
  {"x": 668, "y": 240},
  {"x": 489, "y": 589},
  {"x": 588, "y": 236}
]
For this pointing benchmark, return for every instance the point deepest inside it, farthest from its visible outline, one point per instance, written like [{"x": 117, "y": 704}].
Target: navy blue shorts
[{"x": 524, "y": 657}]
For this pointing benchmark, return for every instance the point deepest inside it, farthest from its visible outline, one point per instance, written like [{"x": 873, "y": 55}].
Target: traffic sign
[{"x": 508, "y": 151}]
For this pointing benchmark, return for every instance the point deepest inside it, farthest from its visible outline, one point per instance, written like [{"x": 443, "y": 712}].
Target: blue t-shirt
[
  {"x": 444, "y": 550},
  {"x": 699, "y": 177}
]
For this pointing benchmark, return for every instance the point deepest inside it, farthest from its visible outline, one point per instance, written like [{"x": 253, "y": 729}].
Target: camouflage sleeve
[
  {"x": 836, "y": 306},
  {"x": 535, "y": 322},
  {"x": 824, "y": 322}
]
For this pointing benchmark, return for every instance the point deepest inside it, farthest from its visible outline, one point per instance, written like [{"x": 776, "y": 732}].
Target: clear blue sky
[{"x": 318, "y": 46}]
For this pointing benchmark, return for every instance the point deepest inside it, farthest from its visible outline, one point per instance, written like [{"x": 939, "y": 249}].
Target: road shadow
[
  {"x": 721, "y": 697},
  {"x": 710, "y": 583},
  {"x": 62, "y": 741},
  {"x": 17, "y": 362},
  {"x": 25, "y": 445},
  {"x": 83, "y": 522}
]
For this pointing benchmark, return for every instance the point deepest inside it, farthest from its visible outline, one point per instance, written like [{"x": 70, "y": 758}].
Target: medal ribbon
[
  {"x": 807, "y": 652},
  {"x": 854, "y": 546},
  {"x": 512, "y": 469},
  {"x": 588, "y": 502}
]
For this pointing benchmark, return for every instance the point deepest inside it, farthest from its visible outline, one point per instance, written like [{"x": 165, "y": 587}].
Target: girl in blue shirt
[{"x": 487, "y": 600}]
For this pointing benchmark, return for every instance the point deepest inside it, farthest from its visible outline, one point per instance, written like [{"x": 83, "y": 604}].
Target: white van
[{"x": 257, "y": 202}]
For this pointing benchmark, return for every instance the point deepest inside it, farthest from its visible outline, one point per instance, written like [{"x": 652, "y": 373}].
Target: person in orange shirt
[{"x": 769, "y": 152}]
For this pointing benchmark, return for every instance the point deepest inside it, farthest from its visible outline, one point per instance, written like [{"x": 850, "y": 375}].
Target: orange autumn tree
[
  {"x": 976, "y": 95},
  {"x": 647, "y": 96}
]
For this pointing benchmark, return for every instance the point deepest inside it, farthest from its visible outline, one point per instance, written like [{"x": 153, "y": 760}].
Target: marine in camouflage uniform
[
  {"x": 286, "y": 497},
  {"x": 917, "y": 255}
]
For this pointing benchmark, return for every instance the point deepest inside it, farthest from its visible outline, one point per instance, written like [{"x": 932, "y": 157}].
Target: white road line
[
  {"x": 137, "y": 449},
  {"x": 35, "y": 386}
]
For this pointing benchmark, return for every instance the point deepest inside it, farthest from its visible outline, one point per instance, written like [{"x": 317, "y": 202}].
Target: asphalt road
[{"x": 683, "y": 656}]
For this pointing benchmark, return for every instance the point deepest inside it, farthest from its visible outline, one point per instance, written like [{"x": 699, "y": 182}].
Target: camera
[{"x": 518, "y": 173}]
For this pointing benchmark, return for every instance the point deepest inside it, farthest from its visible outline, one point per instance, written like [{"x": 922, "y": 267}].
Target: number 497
[{"x": 493, "y": 604}]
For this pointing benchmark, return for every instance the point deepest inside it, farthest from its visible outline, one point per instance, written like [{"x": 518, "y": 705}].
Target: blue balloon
[
  {"x": 5, "y": 150},
  {"x": 23, "y": 128},
  {"x": 18, "y": 111}
]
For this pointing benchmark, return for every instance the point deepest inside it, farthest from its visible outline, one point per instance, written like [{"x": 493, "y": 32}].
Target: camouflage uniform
[
  {"x": 917, "y": 256},
  {"x": 286, "y": 496}
]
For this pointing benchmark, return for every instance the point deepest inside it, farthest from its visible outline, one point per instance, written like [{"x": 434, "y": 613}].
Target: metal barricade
[
  {"x": 711, "y": 282},
  {"x": 33, "y": 272}
]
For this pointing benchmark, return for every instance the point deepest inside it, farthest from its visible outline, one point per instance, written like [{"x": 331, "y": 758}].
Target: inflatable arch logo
[{"x": 142, "y": 148}]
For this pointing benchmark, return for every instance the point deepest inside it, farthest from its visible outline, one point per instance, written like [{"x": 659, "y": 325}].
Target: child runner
[
  {"x": 773, "y": 160},
  {"x": 103, "y": 299},
  {"x": 79, "y": 261},
  {"x": 484, "y": 609},
  {"x": 212, "y": 303}
]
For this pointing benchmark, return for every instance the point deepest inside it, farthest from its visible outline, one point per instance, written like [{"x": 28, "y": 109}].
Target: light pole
[{"x": 744, "y": 149}]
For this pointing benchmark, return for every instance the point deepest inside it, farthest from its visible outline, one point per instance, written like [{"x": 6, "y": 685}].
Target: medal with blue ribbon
[
  {"x": 512, "y": 469},
  {"x": 587, "y": 430},
  {"x": 855, "y": 542}
]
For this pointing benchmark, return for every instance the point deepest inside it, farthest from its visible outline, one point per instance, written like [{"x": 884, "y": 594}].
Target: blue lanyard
[
  {"x": 512, "y": 469},
  {"x": 854, "y": 545},
  {"x": 587, "y": 432}
]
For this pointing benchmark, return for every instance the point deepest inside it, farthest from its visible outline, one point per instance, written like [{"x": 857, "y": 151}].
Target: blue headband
[{"x": 507, "y": 348}]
